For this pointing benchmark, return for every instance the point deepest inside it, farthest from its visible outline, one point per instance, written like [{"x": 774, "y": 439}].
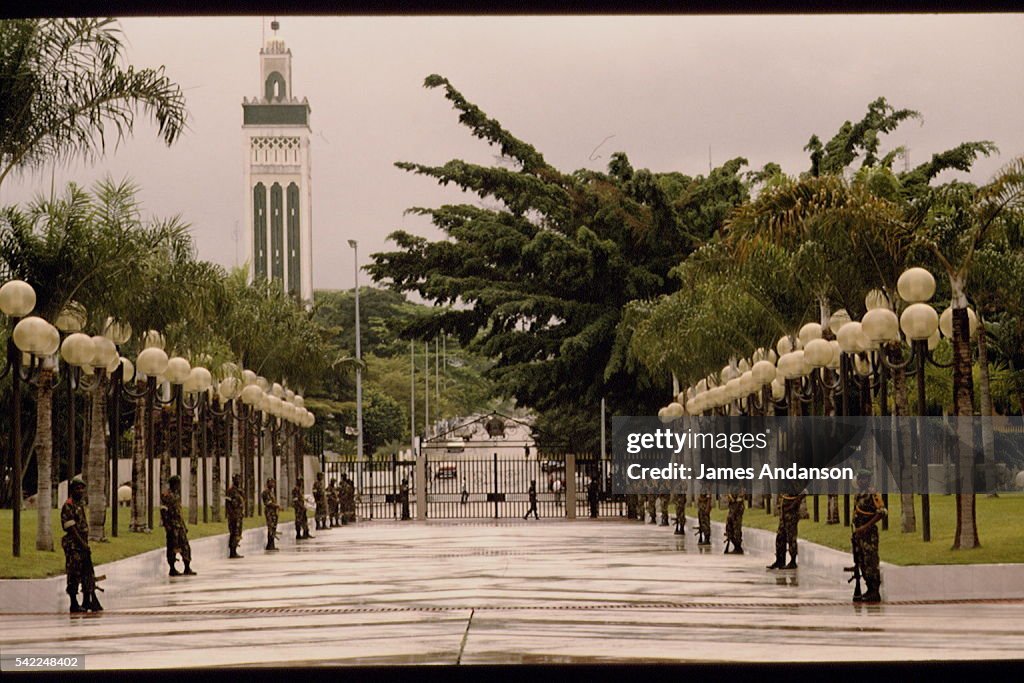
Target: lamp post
[
  {"x": 178, "y": 370},
  {"x": 17, "y": 299},
  {"x": 71, "y": 321},
  {"x": 118, "y": 333},
  {"x": 152, "y": 363},
  {"x": 919, "y": 322},
  {"x": 359, "y": 357}
]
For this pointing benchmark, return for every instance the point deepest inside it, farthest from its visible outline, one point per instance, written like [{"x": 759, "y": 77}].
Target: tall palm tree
[
  {"x": 962, "y": 220},
  {"x": 64, "y": 88}
]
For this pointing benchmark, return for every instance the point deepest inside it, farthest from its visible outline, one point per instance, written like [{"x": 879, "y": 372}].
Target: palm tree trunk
[
  {"x": 96, "y": 484},
  {"x": 139, "y": 521},
  {"x": 901, "y": 408},
  {"x": 44, "y": 456},
  {"x": 966, "y": 536},
  {"x": 166, "y": 426},
  {"x": 193, "y": 469},
  {"x": 987, "y": 411},
  {"x": 218, "y": 453}
]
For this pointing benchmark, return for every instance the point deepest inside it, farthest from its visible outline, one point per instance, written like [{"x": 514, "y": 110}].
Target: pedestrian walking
[
  {"x": 464, "y": 497},
  {"x": 533, "y": 501},
  {"x": 175, "y": 529},
  {"x": 403, "y": 498},
  {"x": 77, "y": 553},
  {"x": 556, "y": 486},
  {"x": 593, "y": 496},
  {"x": 234, "y": 504}
]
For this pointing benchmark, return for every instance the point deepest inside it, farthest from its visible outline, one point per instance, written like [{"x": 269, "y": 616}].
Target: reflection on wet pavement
[{"x": 392, "y": 593}]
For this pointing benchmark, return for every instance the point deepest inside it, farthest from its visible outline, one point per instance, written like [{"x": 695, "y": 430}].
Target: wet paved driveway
[{"x": 489, "y": 592}]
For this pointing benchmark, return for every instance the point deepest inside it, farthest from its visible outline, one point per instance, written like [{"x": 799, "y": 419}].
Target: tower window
[{"x": 275, "y": 87}]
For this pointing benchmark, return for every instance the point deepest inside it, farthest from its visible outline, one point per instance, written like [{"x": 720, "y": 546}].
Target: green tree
[
  {"x": 542, "y": 280},
  {"x": 64, "y": 89}
]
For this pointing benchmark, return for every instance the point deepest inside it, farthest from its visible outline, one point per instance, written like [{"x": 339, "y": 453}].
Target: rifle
[{"x": 855, "y": 569}]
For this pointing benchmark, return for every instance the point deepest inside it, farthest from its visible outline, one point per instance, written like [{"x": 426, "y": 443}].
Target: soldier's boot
[
  {"x": 75, "y": 607},
  {"x": 188, "y": 570},
  {"x": 234, "y": 555},
  {"x": 298, "y": 535},
  {"x": 780, "y": 561},
  {"x": 792, "y": 564},
  {"x": 871, "y": 596},
  {"x": 652, "y": 520},
  {"x": 664, "y": 520},
  {"x": 306, "y": 534},
  {"x": 91, "y": 603},
  {"x": 737, "y": 549},
  {"x": 174, "y": 571}
]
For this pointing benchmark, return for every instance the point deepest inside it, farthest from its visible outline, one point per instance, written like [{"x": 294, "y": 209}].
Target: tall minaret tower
[{"x": 278, "y": 199}]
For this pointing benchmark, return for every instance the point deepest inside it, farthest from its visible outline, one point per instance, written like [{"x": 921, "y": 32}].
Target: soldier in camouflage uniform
[
  {"x": 351, "y": 498},
  {"x": 299, "y": 506},
  {"x": 270, "y": 508},
  {"x": 333, "y": 505},
  {"x": 346, "y": 498},
  {"x": 737, "y": 500},
  {"x": 663, "y": 499},
  {"x": 678, "y": 502},
  {"x": 174, "y": 527},
  {"x": 320, "y": 497},
  {"x": 868, "y": 510},
  {"x": 651, "y": 503},
  {"x": 77, "y": 554},
  {"x": 234, "y": 504},
  {"x": 786, "y": 536},
  {"x": 704, "y": 516}
]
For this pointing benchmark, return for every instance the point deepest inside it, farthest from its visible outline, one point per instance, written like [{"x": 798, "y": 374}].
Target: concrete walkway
[{"x": 505, "y": 592}]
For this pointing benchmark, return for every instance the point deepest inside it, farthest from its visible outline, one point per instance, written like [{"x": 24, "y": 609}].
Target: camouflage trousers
[
  {"x": 234, "y": 530},
  {"x": 301, "y": 522},
  {"x": 321, "y": 512},
  {"x": 271, "y": 517},
  {"x": 866, "y": 550},
  {"x": 785, "y": 537},
  {"x": 704, "y": 522},
  {"x": 177, "y": 544},
  {"x": 78, "y": 568},
  {"x": 652, "y": 506},
  {"x": 734, "y": 526}
]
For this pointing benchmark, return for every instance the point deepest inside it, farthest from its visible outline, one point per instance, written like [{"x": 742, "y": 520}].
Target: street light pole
[{"x": 359, "y": 357}]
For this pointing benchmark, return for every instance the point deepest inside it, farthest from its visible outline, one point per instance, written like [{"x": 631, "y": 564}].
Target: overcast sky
[{"x": 666, "y": 88}]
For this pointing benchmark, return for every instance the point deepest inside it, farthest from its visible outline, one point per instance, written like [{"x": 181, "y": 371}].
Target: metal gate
[
  {"x": 600, "y": 471},
  {"x": 495, "y": 487},
  {"x": 378, "y": 485}
]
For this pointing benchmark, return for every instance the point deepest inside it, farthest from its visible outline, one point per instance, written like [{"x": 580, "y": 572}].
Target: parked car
[{"x": 446, "y": 472}]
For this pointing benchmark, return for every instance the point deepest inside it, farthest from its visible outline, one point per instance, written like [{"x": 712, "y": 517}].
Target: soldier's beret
[
  {"x": 173, "y": 478},
  {"x": 77, "y": 480}
]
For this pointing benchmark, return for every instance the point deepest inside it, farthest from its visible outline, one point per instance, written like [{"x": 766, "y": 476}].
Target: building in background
[{"x": 276, "y": 134}]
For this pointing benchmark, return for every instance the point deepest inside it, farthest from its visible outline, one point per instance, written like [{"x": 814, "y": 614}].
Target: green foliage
[
  {"x": 541, "y": 283},
  {"x": 63, "y": 90}
]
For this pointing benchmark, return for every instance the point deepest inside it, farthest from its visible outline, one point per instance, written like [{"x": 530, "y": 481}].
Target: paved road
[{"x": 490, "y": 592}]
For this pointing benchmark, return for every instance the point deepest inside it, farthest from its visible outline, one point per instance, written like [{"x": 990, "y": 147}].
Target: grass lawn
[
  {"x": 1000, "y": 529},
  {"x": 37, "y": 564}
]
